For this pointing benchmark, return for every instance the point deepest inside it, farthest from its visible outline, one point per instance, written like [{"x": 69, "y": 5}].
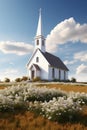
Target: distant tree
[
  {"x": 73, "y": 80},
  {"x": 18, "y": 79},
  {"x": 24, "y": 78},
  {"x": 7, "y": 80}
]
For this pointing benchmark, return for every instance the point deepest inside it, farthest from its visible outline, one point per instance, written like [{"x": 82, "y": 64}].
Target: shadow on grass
[
  {"x": 80, "y": 119},
  {"x": 10, "y": 116}
]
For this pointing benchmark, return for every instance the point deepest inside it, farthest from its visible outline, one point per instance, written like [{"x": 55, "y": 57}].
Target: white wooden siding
[
  {"x": 43, "y": 64},
  {"x": 56, "y": 76}
]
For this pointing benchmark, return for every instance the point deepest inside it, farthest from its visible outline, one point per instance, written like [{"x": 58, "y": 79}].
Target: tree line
[{"x": 24, "y": 78}]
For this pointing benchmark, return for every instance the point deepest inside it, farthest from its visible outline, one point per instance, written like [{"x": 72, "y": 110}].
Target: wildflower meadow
[{"x": 51, "y": 103}]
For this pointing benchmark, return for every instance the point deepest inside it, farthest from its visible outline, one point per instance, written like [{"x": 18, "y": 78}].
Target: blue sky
[{"x": 64, "y": 26}]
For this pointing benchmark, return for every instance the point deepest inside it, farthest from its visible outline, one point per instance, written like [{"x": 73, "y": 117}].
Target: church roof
[
  {"x": 54, "y": 61},
  {"x": 36, "y": 66}
]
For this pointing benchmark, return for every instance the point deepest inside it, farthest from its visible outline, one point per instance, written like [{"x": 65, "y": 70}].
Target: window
[
  {"x": 53, "y": 73},
  {"x": 42, "y": 42},
  {"x": 37, "y": 42},
  {"x": 64, "y": 75},
  {"x": 37, "y": 59},
  {"x": 59, "y": 74}
]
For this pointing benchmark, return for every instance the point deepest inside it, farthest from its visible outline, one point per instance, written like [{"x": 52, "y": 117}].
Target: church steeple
[
  {"x": 39, "y": 28},
  {"x": 39, "y": 39}
]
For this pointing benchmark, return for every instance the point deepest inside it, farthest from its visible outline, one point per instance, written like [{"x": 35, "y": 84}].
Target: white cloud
[
  {"x": 82, "y": 69},
  {"x": 51, "y": 47},
  {"x": 79, "y": 78},
  {"x": 9, "y": 73},
  {"x": 82, "y": 56},
  {"x": 66, "y": 31},
  {"x": 80, "y": 74},
  {"x": 18, "y": 48},
  {"x": 66, "y": 62},
  {"x": 11, "y": 63}
]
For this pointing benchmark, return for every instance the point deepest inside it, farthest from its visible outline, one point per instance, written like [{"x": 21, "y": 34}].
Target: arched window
[
  {"x": 37, "y": 42},
  {"x": 37, "y": 59}
]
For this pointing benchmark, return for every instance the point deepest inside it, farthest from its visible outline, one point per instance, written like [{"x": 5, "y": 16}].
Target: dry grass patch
[
  {"x": 66, "y": 87},
  {"x": 2, "y": 87},
  {"x": 25, "y": 120}
]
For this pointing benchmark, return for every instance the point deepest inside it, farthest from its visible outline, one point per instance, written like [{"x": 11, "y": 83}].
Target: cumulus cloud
[
  {"x": 66, "y": 31},
  {"x": 10, "y": 71},
  {"x": 18, "y": 48},
  {"x": 82, "y": 69},
  {"x": 79, "y": 77},
  {"x": 66, "y": 62},
  {"x": 82, "y": 56},
  {"x": 81, "y": 73}
]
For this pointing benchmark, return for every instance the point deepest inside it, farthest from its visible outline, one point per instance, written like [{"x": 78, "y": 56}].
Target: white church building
[{"x": 43, "y": 64}]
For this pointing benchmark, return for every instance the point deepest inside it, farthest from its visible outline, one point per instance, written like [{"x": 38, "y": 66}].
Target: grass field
[
  {"x": 67, "y": 87},
  {"x": 28, "y": 121},
  {"x": 25, "y": 120}
]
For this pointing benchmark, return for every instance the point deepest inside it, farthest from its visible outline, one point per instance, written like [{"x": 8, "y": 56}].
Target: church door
[{"x": 32, "y": 74}]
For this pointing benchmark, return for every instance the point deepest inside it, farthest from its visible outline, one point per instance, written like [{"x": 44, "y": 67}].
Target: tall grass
[{"x": 25, "y": 120}]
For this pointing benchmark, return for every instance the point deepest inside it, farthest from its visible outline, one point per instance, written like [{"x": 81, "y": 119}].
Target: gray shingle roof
[
  {"x": 54, "y": 61},
  {"x": 36, "y": 66}
]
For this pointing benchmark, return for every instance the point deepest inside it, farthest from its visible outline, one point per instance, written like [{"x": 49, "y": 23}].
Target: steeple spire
[
  {"x": 39, "y": 28},
  {"x": 39, "y": 39}
]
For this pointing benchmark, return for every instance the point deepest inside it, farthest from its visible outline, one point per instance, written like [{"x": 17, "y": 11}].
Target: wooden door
[{"x": 32, "y": 74}]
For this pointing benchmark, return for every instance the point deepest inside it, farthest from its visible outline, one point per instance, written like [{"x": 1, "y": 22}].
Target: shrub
[
  {"x": 67, "y": 80},
  {"x": 58, "y": 109},
  {"x": 7, "y": 80},
  {"x": 56, "y": 80},
  {"x": 24, "y": 78},
  {"x": 18, "y": 79},
  {"x": 36, "y": 79},
  {"x": 73, "y": 80}
]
